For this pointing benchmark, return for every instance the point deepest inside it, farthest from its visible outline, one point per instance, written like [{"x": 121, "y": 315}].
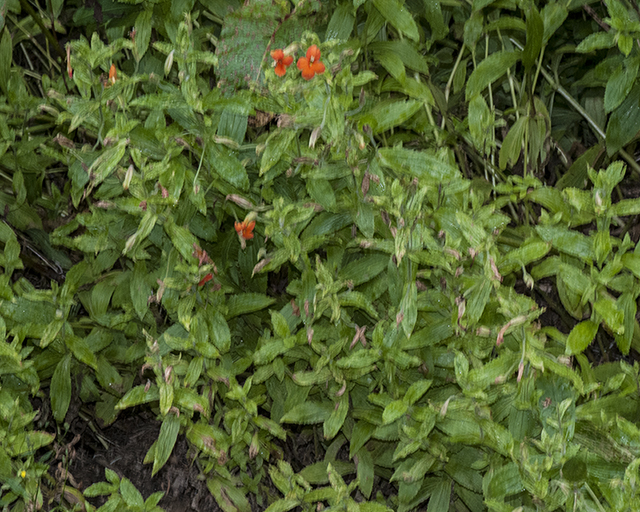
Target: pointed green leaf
[
  {"x": 624, "y": 122},
  {"x": 581, "y": 337},
  {"x": 131, "y": 495},
  {"x": 396, "y": 13},
  {"x": 60, "y": 391},
  {"x": 166, "y": 441},
  {"x": 308, "y": 413},
  {"x": 334, "y": 422},
  {"x": 81, "y": 351},
  {"x": 489, "y": 70},
  {"x": 422, "y": 165}
]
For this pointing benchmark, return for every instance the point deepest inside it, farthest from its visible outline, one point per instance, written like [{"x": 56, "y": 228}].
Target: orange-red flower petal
[
  {"x": 205, "y": 279},
  {"x": 113, "y": 74},
  {"x": 245, "y": 229},
  {"x": 311, "y": 64},
  {"x": 282, "y": 61}
]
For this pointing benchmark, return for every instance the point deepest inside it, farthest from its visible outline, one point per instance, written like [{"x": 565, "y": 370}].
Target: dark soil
[{"x": 129, "y": 439}]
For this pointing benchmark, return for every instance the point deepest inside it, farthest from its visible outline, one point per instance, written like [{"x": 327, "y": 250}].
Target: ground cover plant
[{"x": 360, "y": 255}]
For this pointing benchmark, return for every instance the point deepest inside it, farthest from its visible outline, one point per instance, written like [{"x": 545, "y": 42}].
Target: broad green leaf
[
  {"x": 393, "y": 411},
  {"x": 608, "y": 309},
  {"x": 365, "y": 471},
  {"x": 81, "y": 350},
  {"x": 489, "y": 70},
  {"x": 225, "y": 163},
  {"x": 596, "y": 41},
  {"x": 140, "y": 289},
  {"x": 396, "y": 13},
  {"x": 322, "y": 193},
  {"x": 567, "y": 241},
  {"x": 243, "y": 303},
  {"x": 364, "y": 269},
  {"x": 505, "y": 481},
  {"x": 581, "y": 337},
  {"x": 276, "y": 147},
  {"x": 359, "y": 359},
  {"x": 624, "y": 122},
  {"x": 308, "y": 413},
  {"x": 416, "y": 390},
  {"x": 513, "y": 143},
  {"x": 514, "y": 260},
  {"x": 219, "y": 333},
  {"x": 165, "y": 391},
  {"x": 6, "y": 50},
  {"x": 433, "y": 14},
  {"x": 317, "y": 473},
  {"x": 341, "y": 23},
  {"x": 106, "y": 163},
  {"x": 60, "y": 389},
  {"x": 419, "y": 164},
  {"x": 440, "y": 497},
  {"x": 535, "y": 32},
  {"x": 409, "y": 308},
  {"x": 182, "y": 239},
  {"x": 143, "y": 33},
  {"x": 334, "y": 422},
  {"x": 27, "y": 442},
  {"x": 405, "y": 51},
  {"x": 131, "y": 495},
  {"x": 387, "y": 114},
  {"x": 138, "y": 395},
  {"x": 360, "y": 435},
  {"x": 620, "y": 83},
  {"x": 166, "y": 441}
]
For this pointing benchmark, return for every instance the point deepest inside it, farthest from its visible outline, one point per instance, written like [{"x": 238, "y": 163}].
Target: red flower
[
  {"x": 245, "y": 229},
  {"x": 205, "y": 279},
  {"x": 282, "y": 61},
  {"x": 310, "y": 65}
]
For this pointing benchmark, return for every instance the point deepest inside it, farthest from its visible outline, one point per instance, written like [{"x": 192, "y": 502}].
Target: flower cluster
[{"x": 310, "y": 65}]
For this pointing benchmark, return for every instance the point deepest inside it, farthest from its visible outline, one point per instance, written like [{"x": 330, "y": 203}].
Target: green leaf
[
  {"x": 60, "y": 389},
  {"x": 276, "y": 147},
  {"x": 308, "y": 413},
  {"x": 608, "y": 309},
  {"x": 512, "y": 143},
  {"x": 228, "y": 496},
  {"x": 620, "y": 83},
  {"x": 489, "y": 70},
  {"x": 393, "y": 411},
  {"x": 416, "y": 390},
  {"x": 567, "y": 241},
  {"x": 581, "y": 337},
  {"x": 597, "y": 41},
  {"x": 440, "y": 497},
  {"x": 166, "y": 441},
  {"x": 409, "y": 308},
  {"x": 6, "y": 50},
  {"x": 219, "y": 332},
  {"x": 106, "y": 163},
  {"x": 419, "y": 164},
  {"x": 131, "y": 495},
  {"x": 334, "y": 422},
  {"x": 143, "y": 33},
  {"x": 624, "y": 122},
  {"x": 341, "y": 23},
  {"x": 387, "y": 114},
  {"x": 139, "y": 289},
  {"x": 396, "y": 13},
  {"x": 243, "y": 303},
  {"x": 505, "y": 481},
  {"x": 224, "y": 162},
  {"x": 535, "y": 32},
  {"x": 81, "y": 350},
  {"x": 138, "y": 395}
]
